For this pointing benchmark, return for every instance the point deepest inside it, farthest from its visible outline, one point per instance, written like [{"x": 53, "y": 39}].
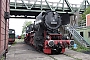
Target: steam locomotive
[{"x": 45, "y": 34}]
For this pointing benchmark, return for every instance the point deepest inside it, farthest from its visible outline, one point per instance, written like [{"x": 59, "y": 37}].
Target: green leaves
[
  {"x": 26, "y": 23},
  {"x": 87, "y": 11},
  {"x": 82, "y": 21}
]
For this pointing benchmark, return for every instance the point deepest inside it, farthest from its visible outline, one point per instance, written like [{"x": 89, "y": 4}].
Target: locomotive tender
[{"x": 45, "y": 35}]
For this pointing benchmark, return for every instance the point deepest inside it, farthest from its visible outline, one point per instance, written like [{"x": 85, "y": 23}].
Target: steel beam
[
  {"x": 69, "y": 5},
  {"x": 63, "y": 5},
  {"x": 33, "y": 5},
  {"x": 25, "y": 4},
  {"x": 57, "y": 5},
  {"x": 28, "y": 3},
  {"x": 25, "y": 10},
  {"x": 37, "y": 11},
  {"x": 41, "y": 4},
  {"x": 84, "y": 1},
  {"x": 23, "y": 17},
  {"x": 48, "y": 5},
  {"x": 88, "y": 2},
  {"x": 85, "y": 5},
  {"x": 15, "y": 4}
]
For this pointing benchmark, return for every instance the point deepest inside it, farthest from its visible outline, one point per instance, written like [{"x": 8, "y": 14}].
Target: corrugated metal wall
[{"x": 3, "y": 31}]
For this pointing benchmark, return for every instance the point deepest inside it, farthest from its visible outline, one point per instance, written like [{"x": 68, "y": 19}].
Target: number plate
[{"x": 53, "y": 22}]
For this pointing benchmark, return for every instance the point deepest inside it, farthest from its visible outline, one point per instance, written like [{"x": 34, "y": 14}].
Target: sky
[{"x": 18, "y": 23}]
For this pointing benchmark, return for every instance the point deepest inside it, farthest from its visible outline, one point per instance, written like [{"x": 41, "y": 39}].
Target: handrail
[{"x": 77, "y": 36}]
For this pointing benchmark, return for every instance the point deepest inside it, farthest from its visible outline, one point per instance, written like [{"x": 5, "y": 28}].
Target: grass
[
  {"x": 81, "y": 49},
  {"x": 2, "y": 58},
  {"x": 19, "y": 40},
  {"x": 14, "y": 43}
]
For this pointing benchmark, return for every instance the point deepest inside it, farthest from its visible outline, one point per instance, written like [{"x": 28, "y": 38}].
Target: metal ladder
[{"x": 77, "y": 36}]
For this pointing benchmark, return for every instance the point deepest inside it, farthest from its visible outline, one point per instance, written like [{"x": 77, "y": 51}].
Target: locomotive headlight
[{"x": 50, "y": 43}]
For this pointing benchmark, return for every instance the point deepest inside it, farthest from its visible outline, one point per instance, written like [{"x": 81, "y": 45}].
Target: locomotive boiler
[{"x": 45, "y": 35}]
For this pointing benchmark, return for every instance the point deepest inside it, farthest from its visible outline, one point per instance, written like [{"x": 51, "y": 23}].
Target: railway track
[
  {"x": 25, "y": 52},
  {"x": 63, "y": 57}
]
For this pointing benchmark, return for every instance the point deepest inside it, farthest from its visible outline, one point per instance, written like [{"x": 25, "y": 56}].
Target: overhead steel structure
[
  {"x": 34, "y": 7},
  {"x": 83, "y": 6}
]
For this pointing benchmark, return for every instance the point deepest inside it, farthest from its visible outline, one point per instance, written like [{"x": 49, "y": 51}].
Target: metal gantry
[
  {"x": 34, "y": 7},
  {"x": 83, "y": 5}
]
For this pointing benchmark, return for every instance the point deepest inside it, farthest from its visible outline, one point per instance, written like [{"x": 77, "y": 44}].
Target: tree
[
  {"x": 26, "y": 23},
  {"x": 22, "y": 36},
  {"x": 82, "y": 22},
  {"x": 87, "y": 11}
]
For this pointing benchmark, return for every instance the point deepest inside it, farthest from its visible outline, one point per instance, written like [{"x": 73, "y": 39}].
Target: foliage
[
  {"x": 22, "y": 36},
  {"x": 2, "y": 58},
  {"x": 26, "y": 23},
  {"x": 14, "y": 43},
  {"x": 82, "y": 22},
  {"x": 81, "y": 49},
  {"x": 87, "y": 11}
]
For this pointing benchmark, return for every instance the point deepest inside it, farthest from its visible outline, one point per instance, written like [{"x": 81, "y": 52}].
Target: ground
[{"x": 21, "y": 51}]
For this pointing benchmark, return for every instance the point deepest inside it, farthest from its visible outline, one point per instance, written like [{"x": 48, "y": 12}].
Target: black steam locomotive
[{"x": 45, "y": 34}]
